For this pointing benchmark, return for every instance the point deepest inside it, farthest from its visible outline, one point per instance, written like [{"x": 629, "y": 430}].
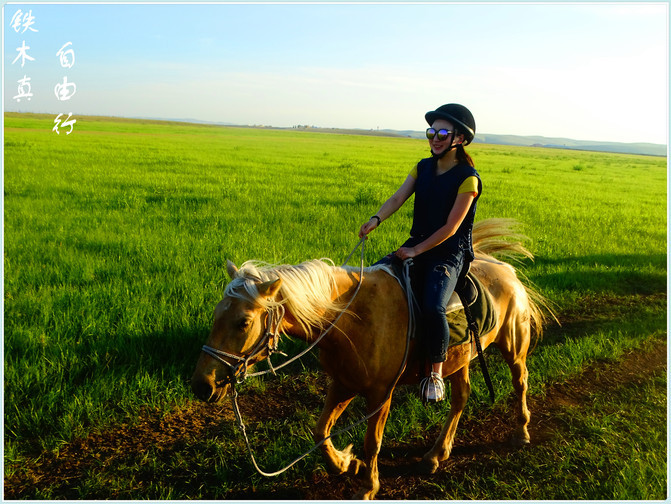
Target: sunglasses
[{"x": 442, "y": 133}]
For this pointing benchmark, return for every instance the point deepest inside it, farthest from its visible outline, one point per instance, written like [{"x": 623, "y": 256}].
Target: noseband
[{"x": 268, "y": 342}]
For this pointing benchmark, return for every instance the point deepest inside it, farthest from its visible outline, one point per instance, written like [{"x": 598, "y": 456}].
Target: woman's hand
[
  {"x": 406, "y": 253},
  {"x": 368, "y": 227}
]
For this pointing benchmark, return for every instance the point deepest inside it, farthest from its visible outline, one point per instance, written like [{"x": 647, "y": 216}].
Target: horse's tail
[{"x": 500, "y": 239}]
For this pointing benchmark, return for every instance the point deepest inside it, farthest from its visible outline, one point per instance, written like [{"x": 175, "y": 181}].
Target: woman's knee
[
  {"x": 433, "y": 315},
  {"x": 434, "y": 310}
]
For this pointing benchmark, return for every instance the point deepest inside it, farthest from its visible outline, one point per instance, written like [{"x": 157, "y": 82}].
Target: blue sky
[{"x": 589, "y": 71}]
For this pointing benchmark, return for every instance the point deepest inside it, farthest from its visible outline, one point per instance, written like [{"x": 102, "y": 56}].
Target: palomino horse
[{"x": 365, "y": 350}]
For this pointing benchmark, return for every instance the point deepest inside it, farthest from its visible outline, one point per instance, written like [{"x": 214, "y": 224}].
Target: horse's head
[{"x": 242, "y": 330}]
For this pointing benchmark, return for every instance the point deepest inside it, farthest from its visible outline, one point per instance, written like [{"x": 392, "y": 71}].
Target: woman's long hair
[{"x": 463, "y": 157}]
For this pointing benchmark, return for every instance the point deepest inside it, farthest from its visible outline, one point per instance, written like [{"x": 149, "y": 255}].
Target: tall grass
[{"x": 116, "y": 239}]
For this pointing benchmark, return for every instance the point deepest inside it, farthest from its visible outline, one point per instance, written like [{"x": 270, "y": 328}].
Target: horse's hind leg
[
  {"x": 520, "y": 377},
  {"x": 460, "y": 389},
  {"x": 337, "y": 400},
  {"x": 514, "y": 350}
]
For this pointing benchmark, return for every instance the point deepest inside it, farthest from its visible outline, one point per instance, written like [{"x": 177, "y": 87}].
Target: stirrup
[{"x": 432, "y": 388}]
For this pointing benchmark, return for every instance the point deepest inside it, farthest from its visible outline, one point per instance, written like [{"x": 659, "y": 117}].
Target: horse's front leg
[
  {"x": 337, "y": 400},
  {"x": 372, "y": 444},
  {"x": 460, "y": 389}
]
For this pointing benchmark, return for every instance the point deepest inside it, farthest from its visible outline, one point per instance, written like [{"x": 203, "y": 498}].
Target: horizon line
[{"x": 401, "y": 133}]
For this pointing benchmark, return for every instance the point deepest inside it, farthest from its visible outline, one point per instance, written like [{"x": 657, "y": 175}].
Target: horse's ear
[
  {"x": 232, "y": 269},
  {"x": 270, "y": 288}
]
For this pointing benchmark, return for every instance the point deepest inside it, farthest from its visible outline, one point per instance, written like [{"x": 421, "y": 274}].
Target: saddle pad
[{"x": 483, "y": 311}]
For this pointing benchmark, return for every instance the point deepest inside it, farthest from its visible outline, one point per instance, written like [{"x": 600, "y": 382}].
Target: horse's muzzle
[{"x": 205, "y": 389}]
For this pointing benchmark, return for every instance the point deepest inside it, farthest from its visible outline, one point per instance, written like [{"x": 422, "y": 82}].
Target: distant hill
[
  {"x": 648, "y": 149},
  {"x": 566, "y": 143}
]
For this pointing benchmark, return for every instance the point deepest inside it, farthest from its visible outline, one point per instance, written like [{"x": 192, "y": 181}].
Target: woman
[{"x": 447, "y": 189}]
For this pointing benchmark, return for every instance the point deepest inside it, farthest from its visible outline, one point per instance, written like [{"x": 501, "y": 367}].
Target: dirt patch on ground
[
  {"x": 62, "y": 472},
  {"x": 487, "y": 438}
]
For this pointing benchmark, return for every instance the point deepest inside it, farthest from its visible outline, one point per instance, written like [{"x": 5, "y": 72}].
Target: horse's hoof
[
  {"x": 355, "y": 467},
  {"x": 521, "y": 438},
  {"x": 344, "y": 462},
  {"x": 363, "y": 496},
  {"x": 368, "y": 494},
  {"x": 428, "y": 466}
]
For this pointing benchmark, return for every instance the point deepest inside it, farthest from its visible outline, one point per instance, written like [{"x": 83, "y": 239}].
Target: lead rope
[{"x": 411, "y": 327}]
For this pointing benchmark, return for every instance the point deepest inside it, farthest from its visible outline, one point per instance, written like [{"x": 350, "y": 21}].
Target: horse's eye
[{"x": 244, "y": 324}]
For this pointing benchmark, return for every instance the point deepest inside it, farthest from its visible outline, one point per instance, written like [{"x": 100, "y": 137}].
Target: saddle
[
  {"x": 470, "y": 291},
  {"x": 466, "y": 292}
]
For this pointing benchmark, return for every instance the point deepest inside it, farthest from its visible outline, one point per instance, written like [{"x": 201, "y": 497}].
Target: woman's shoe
[{"x": 432, "y": 388}]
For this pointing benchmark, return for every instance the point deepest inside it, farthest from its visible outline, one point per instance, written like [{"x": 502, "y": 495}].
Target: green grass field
[{"x": 116, "y": 239}]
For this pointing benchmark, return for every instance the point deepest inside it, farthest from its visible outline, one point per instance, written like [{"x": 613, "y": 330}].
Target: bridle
[{"x": 267, "y": 343}]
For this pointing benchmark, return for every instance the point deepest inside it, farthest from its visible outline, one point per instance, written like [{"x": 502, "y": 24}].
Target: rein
[{"x": 240, "y": 368}]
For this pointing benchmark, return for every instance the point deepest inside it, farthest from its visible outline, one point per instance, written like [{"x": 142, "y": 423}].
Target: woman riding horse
[
  {"x": 447, "y": 189},
  {"x": 364, "y": 353}
]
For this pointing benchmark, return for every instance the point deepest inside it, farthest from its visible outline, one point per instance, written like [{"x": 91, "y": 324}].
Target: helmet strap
[{"x": 442, "y": 154}]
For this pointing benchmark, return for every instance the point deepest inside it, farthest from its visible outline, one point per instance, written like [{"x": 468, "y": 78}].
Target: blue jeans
[{"x": 434, "y": 282}]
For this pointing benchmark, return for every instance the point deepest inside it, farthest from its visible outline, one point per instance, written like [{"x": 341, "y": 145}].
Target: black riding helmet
[{"x": 458, "y": 115}]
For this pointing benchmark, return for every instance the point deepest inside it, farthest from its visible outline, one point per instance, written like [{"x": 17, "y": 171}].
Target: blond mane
[{"x": 307, "y": 289}]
